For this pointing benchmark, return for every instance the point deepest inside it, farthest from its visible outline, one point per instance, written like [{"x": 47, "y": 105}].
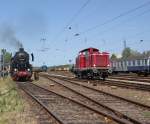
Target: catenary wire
[{"x": 116, "y": 17}]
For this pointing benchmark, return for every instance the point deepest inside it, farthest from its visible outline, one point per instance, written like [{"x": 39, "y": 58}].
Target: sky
[{"x": 56, "y": 30}]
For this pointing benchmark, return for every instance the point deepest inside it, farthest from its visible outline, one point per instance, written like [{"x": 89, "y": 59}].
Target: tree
[
  {"x": 135, "y": 53},
  {"x": 146, "y": 53},
  {"x": 127, "y": 52},
  {"x": 113, "y": 57},
  {"x": 7, "y": 57}
]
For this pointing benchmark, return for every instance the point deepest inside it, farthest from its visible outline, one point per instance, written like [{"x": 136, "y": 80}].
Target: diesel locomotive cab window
[
  {"x": 86, "y": 53},
  {"x": 95, "y": 50}
]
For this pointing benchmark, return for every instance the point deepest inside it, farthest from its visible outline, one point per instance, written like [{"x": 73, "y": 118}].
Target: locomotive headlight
[
  {"x": 94, "y": 65},
  {"x": 15, "y": 69},
  {"x": 28, "y": 69}
]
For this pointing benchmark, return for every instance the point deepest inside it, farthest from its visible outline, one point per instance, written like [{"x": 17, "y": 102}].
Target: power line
[
  {"x": 73, "y": 18},
  {"x": 138, "y": 34},
  {"x": 116, "y": 17},
  {"x": 116, "y": 26},
  {"x": 78, "y": 12}
]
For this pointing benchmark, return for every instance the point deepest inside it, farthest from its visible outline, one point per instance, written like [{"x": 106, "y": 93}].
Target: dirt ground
[
  {"x": 136, "y": 95},
  {"x": 52, "y": 86},
  {"x": 65, "y": 73}
]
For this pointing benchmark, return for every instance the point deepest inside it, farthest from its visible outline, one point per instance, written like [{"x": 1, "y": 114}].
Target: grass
[
  {"x": 147, "y": 114},
  {"x": 10, "y": 102}
]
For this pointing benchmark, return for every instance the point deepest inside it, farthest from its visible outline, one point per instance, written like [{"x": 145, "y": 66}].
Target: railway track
[
  {"x": 119, "y": 83},
  {"x": 126, "y": 84},
  {"x": 67, "y": 110},
  {"x": 132, "y": 78},
  {"x": 45, "y": 114},
  {"x": 41, "y": 115},
  {"x": 113, "y": 82},
  {"x": 118, "y": 106}
]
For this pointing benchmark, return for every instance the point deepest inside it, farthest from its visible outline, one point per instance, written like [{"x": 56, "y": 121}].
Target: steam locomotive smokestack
[{"x": 21, "y": 49}]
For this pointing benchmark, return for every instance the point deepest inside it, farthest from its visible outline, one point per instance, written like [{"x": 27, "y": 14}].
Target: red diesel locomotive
[{"x": 91, "y": 63}]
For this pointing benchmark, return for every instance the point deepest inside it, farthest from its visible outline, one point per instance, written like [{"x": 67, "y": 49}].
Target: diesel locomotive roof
[{"x": 88, "y": 49}]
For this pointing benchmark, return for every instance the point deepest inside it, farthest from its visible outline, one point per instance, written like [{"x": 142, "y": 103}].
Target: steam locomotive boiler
[{"x": 20, "y": 68}]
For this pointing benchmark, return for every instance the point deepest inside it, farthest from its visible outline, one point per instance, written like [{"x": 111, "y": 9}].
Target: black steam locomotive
[{"x": 20, "y": 68}]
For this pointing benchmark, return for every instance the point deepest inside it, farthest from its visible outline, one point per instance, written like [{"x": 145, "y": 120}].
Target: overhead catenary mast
[{"x": 125, "y": 44}]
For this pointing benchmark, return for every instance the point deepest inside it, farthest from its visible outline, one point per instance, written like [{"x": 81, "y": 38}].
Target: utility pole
[
  {"x": 70, "y": 61},
  {"x": 125, "y": 44},
  {"x": 3, "y": 61}
]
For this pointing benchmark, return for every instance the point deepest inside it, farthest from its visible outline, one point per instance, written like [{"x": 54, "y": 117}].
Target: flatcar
[
  {"x": 91, "y": 63},
  {"x": 20, "y": 68},
  {"x": 139, "y": 65}
]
